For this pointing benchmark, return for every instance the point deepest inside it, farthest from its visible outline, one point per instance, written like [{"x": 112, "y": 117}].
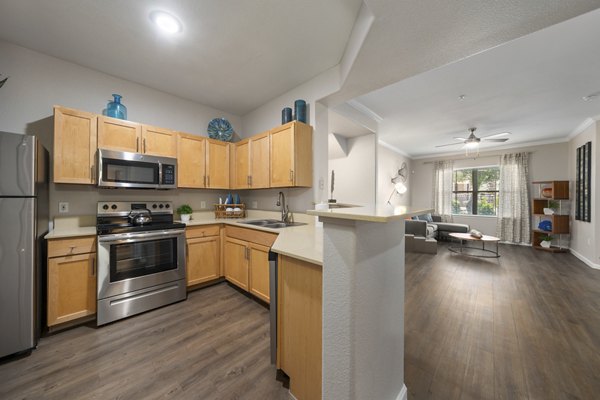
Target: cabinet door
[
  {"x": 158, "y": 141},
  {"x": 118, "y": 134},
  {"x": 191, "y": 159},
  {"x": 71, "y": 287},
  {"x": 282, "y": 156},
  {"x": 235, "y": 256},
  {"x": 217, "y": 164},
  {"x": 259, "y": 161},
  {"x": 241, "y": 174},
  {"x": 203, "y": 259},
  {"x": 258, "y": 268},
  {"x": 74, "y": 146}
]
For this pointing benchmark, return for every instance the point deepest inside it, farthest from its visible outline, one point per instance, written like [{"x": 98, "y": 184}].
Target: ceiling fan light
[{"x": 471, "y": 145}]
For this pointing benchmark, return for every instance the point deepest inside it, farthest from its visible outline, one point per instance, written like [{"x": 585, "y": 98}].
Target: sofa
[{"x": 423, "y": 231}]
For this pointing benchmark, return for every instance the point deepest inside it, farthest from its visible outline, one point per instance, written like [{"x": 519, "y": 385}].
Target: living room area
[{"x": 523, "y": 324}]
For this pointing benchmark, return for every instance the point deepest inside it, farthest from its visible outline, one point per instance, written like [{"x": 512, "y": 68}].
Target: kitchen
[{"x": 37, "y": 82}]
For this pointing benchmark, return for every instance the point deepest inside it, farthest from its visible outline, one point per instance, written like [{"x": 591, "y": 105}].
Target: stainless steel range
[{"x": 141, "y": 258}]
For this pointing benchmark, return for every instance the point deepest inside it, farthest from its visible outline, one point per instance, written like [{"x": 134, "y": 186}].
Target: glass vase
[{"x": 115, "y": 108}]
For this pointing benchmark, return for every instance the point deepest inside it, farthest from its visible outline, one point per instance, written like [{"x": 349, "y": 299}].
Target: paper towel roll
[{"x": 320, "y": 207}]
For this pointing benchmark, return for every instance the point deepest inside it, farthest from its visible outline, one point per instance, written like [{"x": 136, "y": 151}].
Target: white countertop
[
  {"x": 371, "y": 214},
  {"x": 304, "y": 242}
]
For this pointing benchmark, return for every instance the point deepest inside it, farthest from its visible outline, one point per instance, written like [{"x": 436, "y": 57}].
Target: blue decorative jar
[
  {"x": 115, "y": 108},
  {"x": 286, "y": 115},
  {"x": 300, "y": 108}
]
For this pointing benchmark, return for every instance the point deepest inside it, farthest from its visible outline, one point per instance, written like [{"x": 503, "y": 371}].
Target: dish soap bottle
[{"x": 115, "y": 108}]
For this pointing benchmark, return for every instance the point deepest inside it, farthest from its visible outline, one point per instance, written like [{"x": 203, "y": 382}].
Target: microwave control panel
[{"x": 168, "y": 176}]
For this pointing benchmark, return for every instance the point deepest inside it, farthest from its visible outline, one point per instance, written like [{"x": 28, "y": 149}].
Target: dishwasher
[{"x": 273, "y": 304}]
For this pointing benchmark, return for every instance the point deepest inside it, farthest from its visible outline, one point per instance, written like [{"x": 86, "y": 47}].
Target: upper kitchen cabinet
[
  {"x": 259, "y": 161},
  {"x": 191, "y": 161},
  {"x": 74, "y": 146},
  {"x": 118, "y": 134},
  {"x": 217, "y": 164},
  {"x": 159, "y": 141},
  {"x": 202, "y": 162},
  {"x": 240, "y": 167},
  {"x": 291, "y": 155}
]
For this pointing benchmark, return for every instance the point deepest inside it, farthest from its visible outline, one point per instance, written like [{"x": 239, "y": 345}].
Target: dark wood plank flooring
[
  {"x": 215, "y": 345},
  {"x": 524, "y": 326}
]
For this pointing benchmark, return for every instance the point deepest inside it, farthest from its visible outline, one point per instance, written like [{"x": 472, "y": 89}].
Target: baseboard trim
[
  {"x": 585, "y": 260},
  {"x": 403, "y": 395}
]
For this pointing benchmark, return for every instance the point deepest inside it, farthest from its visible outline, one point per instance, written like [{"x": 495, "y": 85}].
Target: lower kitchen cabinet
[
  {"x": 246, "y": 259},
  {"x": 71, "y": 279},
  {"x": 203, "y": 254},
  {"x": 299, "y": 325}
]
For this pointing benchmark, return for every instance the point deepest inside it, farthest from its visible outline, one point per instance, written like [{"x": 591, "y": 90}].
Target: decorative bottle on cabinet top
[{"x": 115, "y": 108}]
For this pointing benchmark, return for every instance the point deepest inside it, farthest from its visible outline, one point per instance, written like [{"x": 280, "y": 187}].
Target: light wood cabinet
[
  {"x": 122, "y": 135},
  {"x": 236, "y": 262},
  {"x": 291, "y": 155},
  {"x": 240, "y": 174},
  {"x": 246, "y": 255},
  {"x": 71, "y": 279},
  {"x": 259, "y": 161},
  {"x": 203, "y": 254},
  {"x": 74, "y": 146},
  {"x": 191, "y": 161},
  {"x": 119, "y": 134},
  {"x": 299, "y": 325},
  {"x": 217, "y": 164}
]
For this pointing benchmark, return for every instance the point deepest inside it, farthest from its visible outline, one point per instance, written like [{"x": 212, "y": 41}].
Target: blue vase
[
  {"x": 300, "y": 108},
  {"x": 115, "y": 109},
  {"x": 286, "y": 115}
]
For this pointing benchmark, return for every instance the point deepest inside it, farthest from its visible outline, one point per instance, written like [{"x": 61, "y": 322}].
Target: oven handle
[{"x": 134, "y": 237}]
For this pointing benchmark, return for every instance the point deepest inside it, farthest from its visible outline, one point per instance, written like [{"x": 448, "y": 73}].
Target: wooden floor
[
  {"x": 215, "y": 345},
  {"x": 525, "y": 326}
]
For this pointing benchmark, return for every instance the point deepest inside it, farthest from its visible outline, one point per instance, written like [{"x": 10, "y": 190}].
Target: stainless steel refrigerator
[{"x": 23, "y": 222}]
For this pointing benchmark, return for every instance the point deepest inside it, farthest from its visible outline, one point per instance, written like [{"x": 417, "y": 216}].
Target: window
[{"x": 475, "y": 191}]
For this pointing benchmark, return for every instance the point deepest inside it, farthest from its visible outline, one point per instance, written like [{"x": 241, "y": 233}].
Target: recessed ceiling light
[
  {"x": 591, "y": 97},
  {"x": 462, "y": 97},
  {"x": 166, "y": 22}
]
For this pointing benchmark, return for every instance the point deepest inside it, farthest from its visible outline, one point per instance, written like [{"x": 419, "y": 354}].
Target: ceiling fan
[{"x": 472, "y": 142}]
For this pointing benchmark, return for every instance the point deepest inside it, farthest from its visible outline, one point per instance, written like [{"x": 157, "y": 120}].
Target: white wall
[
  {"x": 388, "y": 164},
  {"x": 355, "y": 173},
  {"x": 37, "y": 82},
  {"x": 546, "y": 162},
  {"x": 585, "y": 235}
]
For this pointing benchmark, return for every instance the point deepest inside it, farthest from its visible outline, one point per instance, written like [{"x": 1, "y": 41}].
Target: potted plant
[
  {"x": 185, "y": 212},
  {"x": 546, "y": 241}
]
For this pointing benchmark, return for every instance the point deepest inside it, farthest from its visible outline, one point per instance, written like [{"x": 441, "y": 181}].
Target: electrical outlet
[
  {"x": 255, "y": 205},
  {"x": 202, "y": 204},
  {"x": 63, "y": 207},
  {"x": 321, "y": 184}
]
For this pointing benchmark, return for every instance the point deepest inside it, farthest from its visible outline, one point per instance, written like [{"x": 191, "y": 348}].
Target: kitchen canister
[
  {"x": 115, "y": 108},
  {"x": 286, "y": 115},
  {"x": 300, "y": 110}
]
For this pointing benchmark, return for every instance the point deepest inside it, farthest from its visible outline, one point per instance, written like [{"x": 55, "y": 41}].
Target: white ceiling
[
  {"x": 532, "y": 87},
  {"x": 233, "y": 55}
]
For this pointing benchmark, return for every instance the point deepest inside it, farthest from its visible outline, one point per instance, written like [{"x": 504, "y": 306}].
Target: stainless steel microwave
[{"x": 121, "y": 169}]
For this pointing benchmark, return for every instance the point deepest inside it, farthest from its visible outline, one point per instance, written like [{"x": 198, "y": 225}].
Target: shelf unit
[{"x": 554, "y": 195}]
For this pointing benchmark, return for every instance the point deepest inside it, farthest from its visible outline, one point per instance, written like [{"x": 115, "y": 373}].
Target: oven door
[{"x": 132, "y": 261}]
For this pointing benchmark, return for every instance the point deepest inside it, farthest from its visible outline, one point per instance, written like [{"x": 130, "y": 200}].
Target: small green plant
[
  {"x": 546, "y": 238},
  {"x": 553, "y": 204},
  {"x": 184, "y": 209}
]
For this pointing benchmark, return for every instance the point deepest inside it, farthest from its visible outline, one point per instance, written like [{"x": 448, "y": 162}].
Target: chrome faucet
[{"x": 285, "y": 210}]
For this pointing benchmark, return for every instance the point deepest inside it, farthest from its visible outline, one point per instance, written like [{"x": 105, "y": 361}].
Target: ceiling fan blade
[
  {"x": 496, "y": 140},
  {"x": 496, "y": 135},
  {"x": 449, "y": 144},
  {"x": 461, "y": 138}
]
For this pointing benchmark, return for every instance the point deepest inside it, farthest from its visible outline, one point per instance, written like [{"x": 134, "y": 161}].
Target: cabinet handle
[
  {"x": 208, "y": 181},
  {"x": 247, "y": 253},
  {"x": 204, "y": 181},
  {"x": 137, "y": 145},
  {"x": 72, "y": 248},
  {"x": 93, "y": 173},
  {"x": 291, "y": 175},
  {"x": 144, "y": 143},
  {"x": 248, "y": 180},
  {"x": 94, "y": 266}
]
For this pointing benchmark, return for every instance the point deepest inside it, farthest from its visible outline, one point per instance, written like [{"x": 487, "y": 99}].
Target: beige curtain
[
  {"x": 514, "y": 219},
  {"x": 442, "y": 193}
]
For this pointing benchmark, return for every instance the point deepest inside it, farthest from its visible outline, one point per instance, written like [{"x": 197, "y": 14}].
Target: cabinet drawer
[
  {"x": 70, "y": 246},
  {"x": 202, "y": 231},
  {"x": 251, "y": 235}
]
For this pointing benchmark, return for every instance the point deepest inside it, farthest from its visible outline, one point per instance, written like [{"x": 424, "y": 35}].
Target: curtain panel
[
  {"x": 514, "y": 219},
  {"x": 442, "y": 193}
]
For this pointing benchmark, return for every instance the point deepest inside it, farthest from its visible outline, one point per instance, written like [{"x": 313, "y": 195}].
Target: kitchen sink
[{"x": 271, "y": 223}]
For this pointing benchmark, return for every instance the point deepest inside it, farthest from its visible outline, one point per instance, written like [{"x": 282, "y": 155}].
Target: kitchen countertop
[
  {"x": 304, "y": 242},
  {"x": 383, "y": 214}
]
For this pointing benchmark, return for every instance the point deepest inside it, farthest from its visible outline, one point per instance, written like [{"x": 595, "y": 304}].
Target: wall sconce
[{"x": 398, "y": 182}]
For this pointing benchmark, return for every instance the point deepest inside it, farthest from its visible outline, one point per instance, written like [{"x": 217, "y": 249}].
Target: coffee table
[{"x": 483, "y": 252}]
